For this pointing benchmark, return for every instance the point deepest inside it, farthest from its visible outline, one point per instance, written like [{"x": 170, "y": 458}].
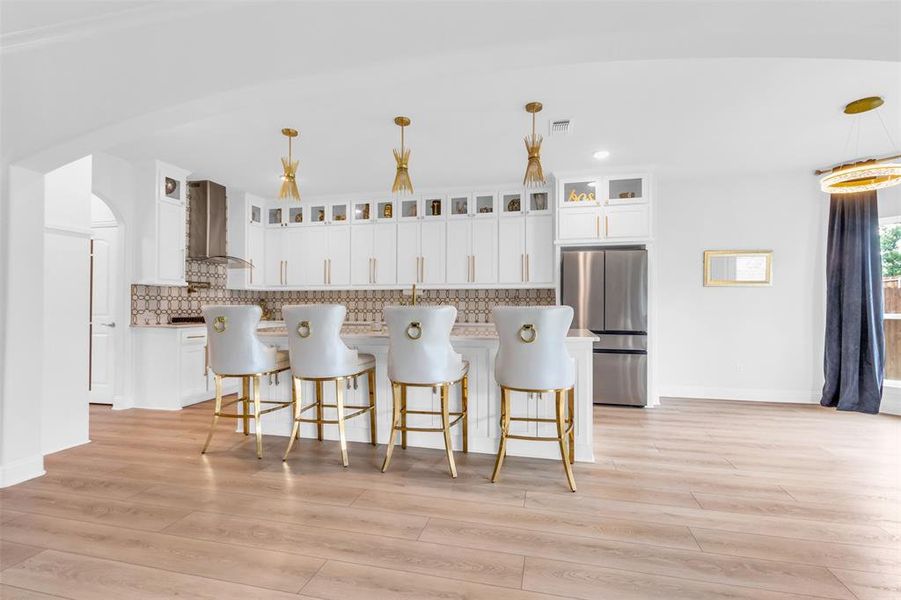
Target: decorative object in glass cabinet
[
  {"x": 511, "y": 203},
  {"x": 386, "y": 210},
  {"x": 538, "y": 202},
  {"x": 484, "y": 204},
  {"x": 630, "y": 189},
  {"x": 295, "y": 214},
  {"x": 317, "y": 214},
  {"x": 275, "y": 216},
  {"x": 171, "y": 188},
  {"x": 459, "y": 206},
  {"x": 339, "y": 212},
  {"x": 433, "y": 206},
  {"x": 256, "y": 214},
  {"x": 409, "y": 209},
  {"x": 579, "y": 192},
  {"x": 361, "y": 211}
]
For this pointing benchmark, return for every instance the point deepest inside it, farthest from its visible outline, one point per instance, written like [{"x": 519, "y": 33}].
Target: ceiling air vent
[{"x": 560, "y": 127}]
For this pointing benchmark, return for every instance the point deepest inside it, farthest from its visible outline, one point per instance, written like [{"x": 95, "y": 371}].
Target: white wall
[
  {"x": 741, "y": 343},
  {"x": 21, "y": 371},
  {"x": 67, "y": 234}
]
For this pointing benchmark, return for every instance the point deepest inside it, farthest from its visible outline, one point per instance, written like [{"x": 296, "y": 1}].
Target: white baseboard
[
  {"x": 60, "y": 448},
  {"x": 746, "y": 394},
  {"x": 21, "y": 470}
]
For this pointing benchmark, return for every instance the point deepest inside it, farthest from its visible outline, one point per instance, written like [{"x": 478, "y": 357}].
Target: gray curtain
[{"x": 855, "y": 347}]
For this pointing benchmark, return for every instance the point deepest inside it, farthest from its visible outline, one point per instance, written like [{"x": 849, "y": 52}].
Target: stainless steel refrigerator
[{"x": 608, "y": 291}]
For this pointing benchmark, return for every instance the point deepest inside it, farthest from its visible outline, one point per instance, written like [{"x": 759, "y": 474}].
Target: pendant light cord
[{"x": 887, "y": 134}]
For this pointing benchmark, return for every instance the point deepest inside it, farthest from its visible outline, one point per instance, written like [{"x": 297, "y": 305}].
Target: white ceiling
[{"x": 684, "y": 87}]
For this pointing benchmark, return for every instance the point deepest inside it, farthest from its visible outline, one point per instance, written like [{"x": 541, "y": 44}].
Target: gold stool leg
[
  {"x": 319, "y": 410},
  {"x": 571, "y": 394},
  {"x": 403, "y": 417},
  {"x": 395, "y": 422},
  {"x": 445, "y": 423},
  {"x": 295, "y": 428},
  {"x": 464, "y": 401},
  {"x": 373, "y": 416},
  {"x": 505, "y": 429},
  {"x": 257, "y": 421},
  {"x": 245, "y": 395},
  {"x": 339, "y": 402},
  {"x": 561, "y": 438},
  {"x": 216, "y": 412}
]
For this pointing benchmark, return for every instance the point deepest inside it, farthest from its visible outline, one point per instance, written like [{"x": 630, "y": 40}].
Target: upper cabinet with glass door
[
  {"x": 408, "y": 208},
  {"x": 295, "y": 215},
  {"x": 625, "y": 189},
  {"x": 275, "y": 216},
  {"x": 580, "y": 193},
  {"x": 537, "y": 201},
  {"x": 255, "y": 213},
  {"x": 433, "y": 206},
  {"x": 361, "y": 212},
  {"x": 385, "y": 210},
  {"x": 511, "y": 203}
]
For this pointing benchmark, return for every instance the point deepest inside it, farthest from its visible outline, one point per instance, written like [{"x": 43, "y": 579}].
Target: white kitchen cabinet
[
  {"x": 274, "y": 257},
  {"x": 539, "y": 249},
  {"x": 421, "y": 252},
  {"x": 432, "y": 250},
  {"x": 373, "y": 254},
  {"x": 294, "y": 254},
  {"x": 619, "y": 211},
  {"x": 171, "y": 242},
  {"x": 526, "y": 250},
  {"x": 246, "y": 239},
  {"x": 339, "y": 256},
  {"x": 319, "y": 256},
  {"x": 627, "y": 222},
  {"x": 173, "y": 368},
  {"x": 408, "y": 252},
  {"x": 256, "y": 248},
  {"x": 471, "y": 251},
  {"x": 161, "y": 224},
  {"x": 511, "y": 242}
]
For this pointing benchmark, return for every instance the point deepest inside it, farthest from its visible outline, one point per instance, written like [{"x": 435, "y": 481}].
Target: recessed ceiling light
[{"x": 601, "y": 154}]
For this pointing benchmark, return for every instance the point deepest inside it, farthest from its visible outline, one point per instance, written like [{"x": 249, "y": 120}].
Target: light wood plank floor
[{"x": 691, "y": 500}]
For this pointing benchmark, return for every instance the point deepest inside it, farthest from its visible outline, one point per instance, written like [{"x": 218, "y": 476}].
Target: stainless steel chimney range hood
[{"x": 207, "y": 225}]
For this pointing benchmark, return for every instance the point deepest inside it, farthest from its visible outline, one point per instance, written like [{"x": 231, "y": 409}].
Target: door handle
[
  {"x": 251, "y": 271},
  {"x": 324, "y": 271},
  {"x": 522, "y": 267},
  {"x": 597, "y": 226},
  {"x": 606, "y": 226},
  {"x": 330, "y": 271},
  {"x": 110, "y": 324},
  {"x": 528, "y": 269},
  {"x": 375, "y": 270},
  {"x": 422, "y": 269}
]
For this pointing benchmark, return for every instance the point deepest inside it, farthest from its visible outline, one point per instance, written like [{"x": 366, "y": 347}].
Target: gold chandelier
[
  {"x": 402, "y": 181},
  {"x": 534, "y": 174},
  {"x": 289, "y": 179},
  {"x": 862, "y": 175}
]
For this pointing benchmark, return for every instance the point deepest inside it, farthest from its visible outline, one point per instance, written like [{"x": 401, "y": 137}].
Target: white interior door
[{"x": 103, "y": 312}]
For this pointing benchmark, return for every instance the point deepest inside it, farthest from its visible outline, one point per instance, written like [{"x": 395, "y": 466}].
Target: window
[{"x": 890, "y": 246}]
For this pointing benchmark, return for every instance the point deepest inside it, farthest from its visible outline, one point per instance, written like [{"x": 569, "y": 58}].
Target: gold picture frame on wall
[{"x": 738, "y": 268}]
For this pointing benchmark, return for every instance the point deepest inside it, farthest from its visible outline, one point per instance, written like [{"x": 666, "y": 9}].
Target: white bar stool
[
  {"x": 420, "y": 355},
  {"x": 319, "y": 354},
  {"x": 236, "y": 351},
  {"x": 532, "y": 358}
]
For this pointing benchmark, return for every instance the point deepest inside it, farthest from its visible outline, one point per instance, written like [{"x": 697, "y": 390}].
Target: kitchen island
[{"x": 478, "y": 344}]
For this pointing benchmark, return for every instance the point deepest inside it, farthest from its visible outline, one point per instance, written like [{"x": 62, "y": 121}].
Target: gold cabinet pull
[
  {"x": 597, "y": 225},
  {"x": 528, "y": 269},
  {"x": 606, "y": 226},
  {"x": 251, "y": 271}
]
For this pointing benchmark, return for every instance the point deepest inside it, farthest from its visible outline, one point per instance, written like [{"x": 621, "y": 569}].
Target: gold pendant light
[
  {"x": 402, "y": 181},
  {"x": 534, "y": 173},
  {"x": 289, "y": 179},
  {"x": 863, "y": 175}
]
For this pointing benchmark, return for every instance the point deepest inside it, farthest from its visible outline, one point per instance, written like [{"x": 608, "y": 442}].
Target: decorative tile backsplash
[{"x": 154, "y": 305}]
